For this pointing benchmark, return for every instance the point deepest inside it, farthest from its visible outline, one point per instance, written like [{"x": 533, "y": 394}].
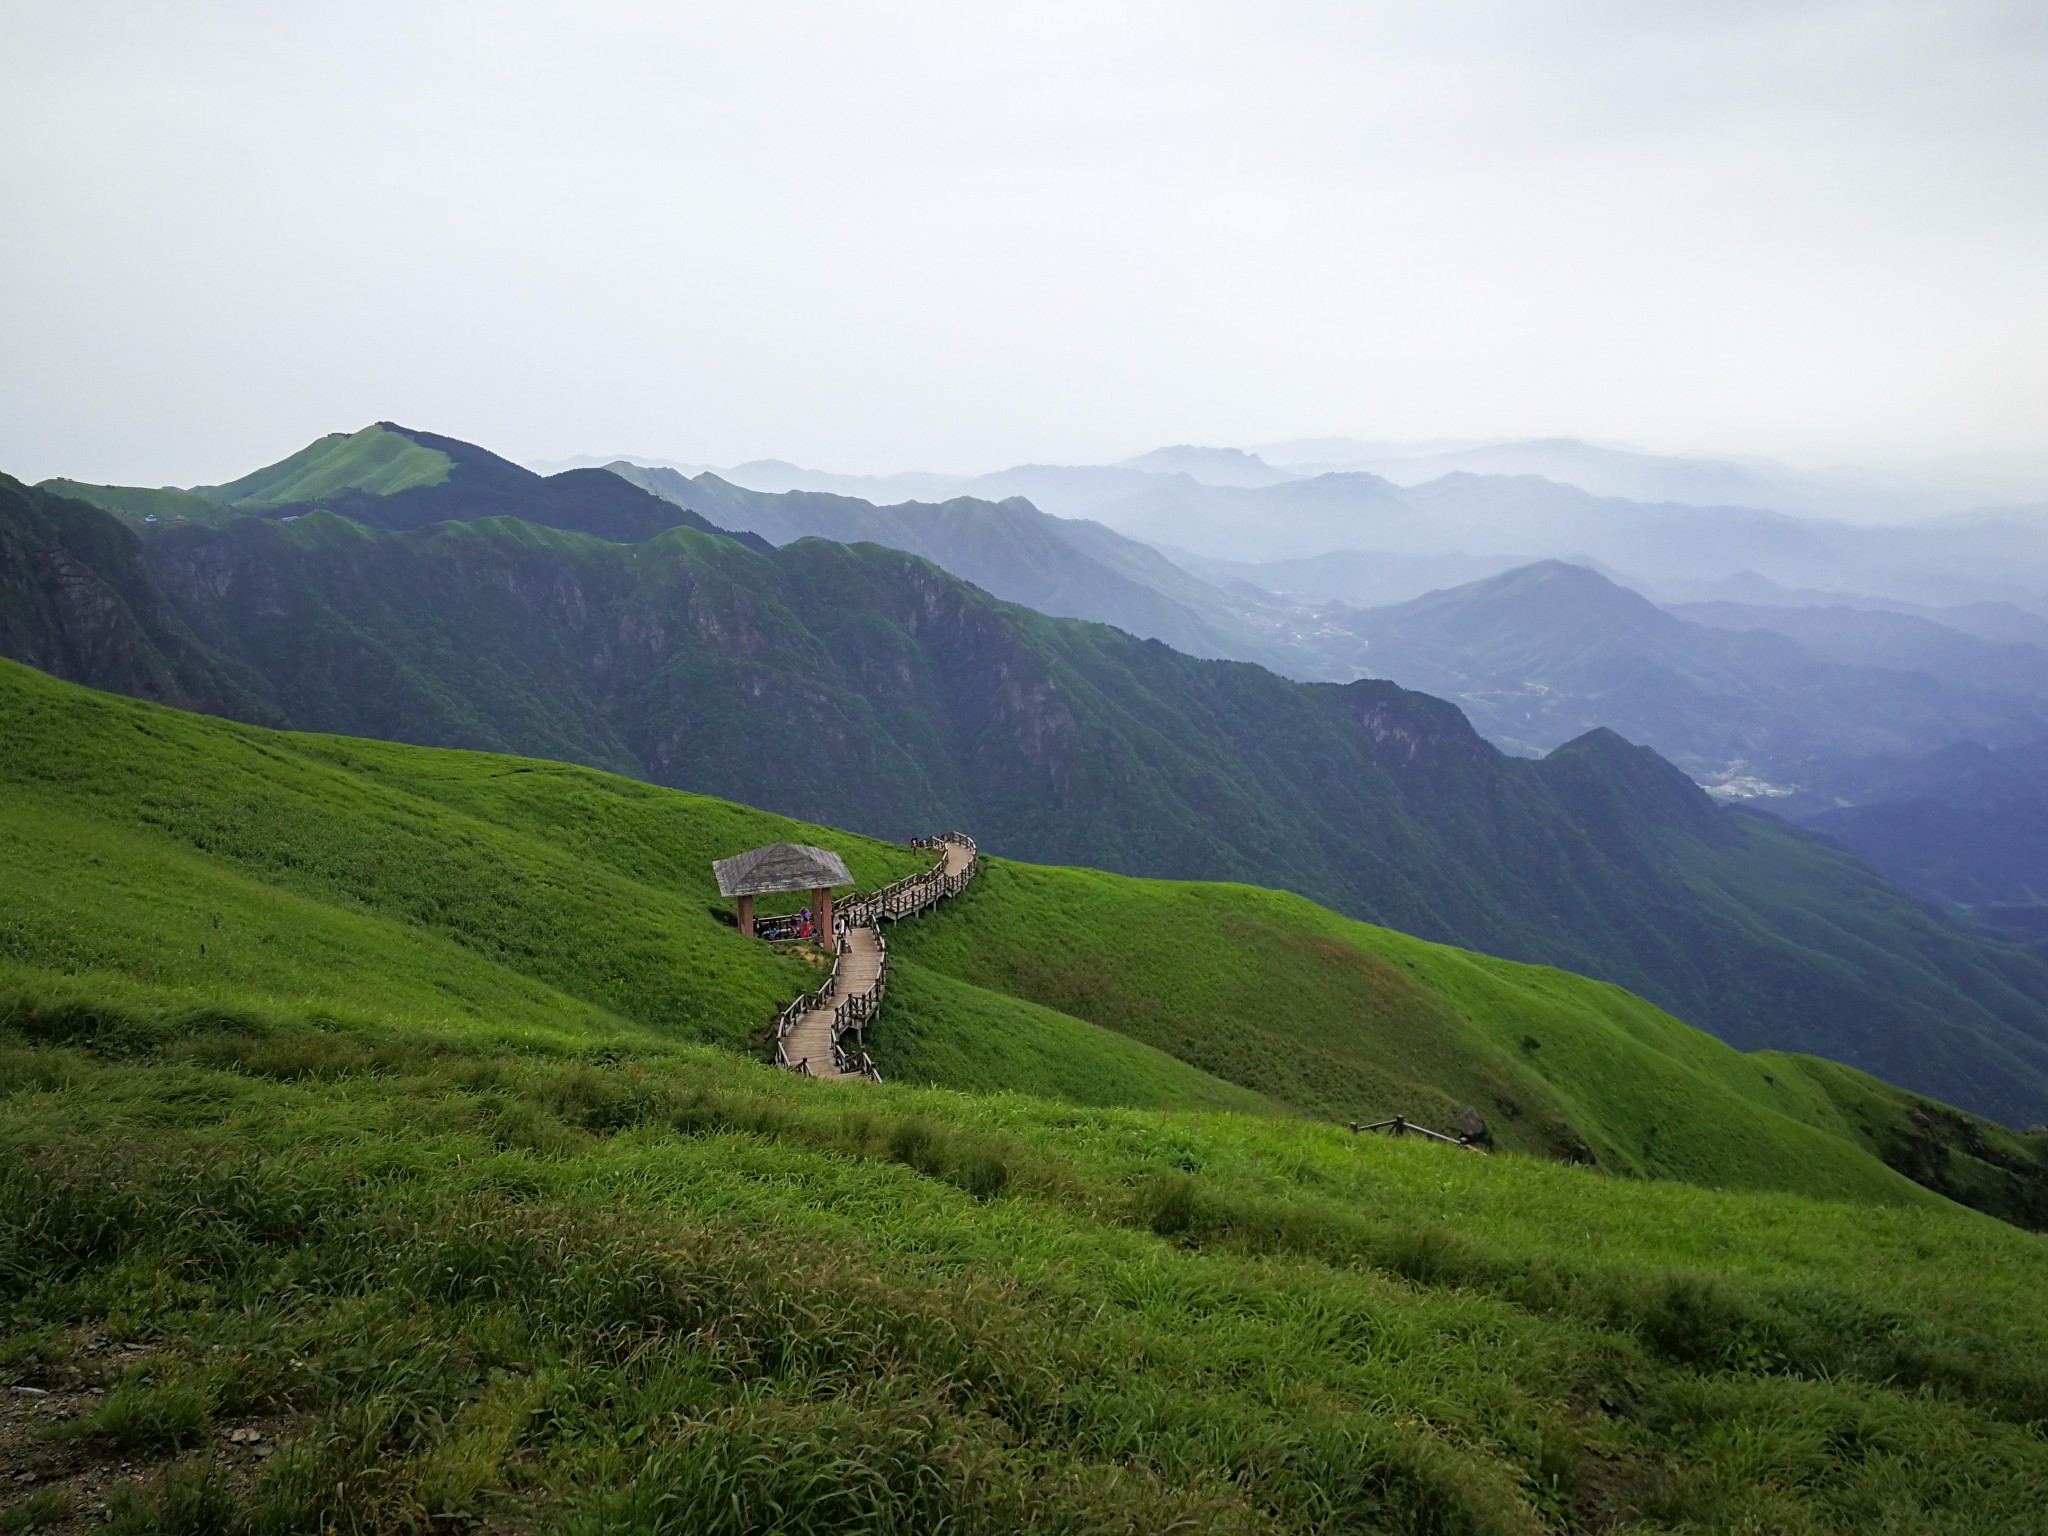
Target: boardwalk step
[{"x": 810, "y": 1034}]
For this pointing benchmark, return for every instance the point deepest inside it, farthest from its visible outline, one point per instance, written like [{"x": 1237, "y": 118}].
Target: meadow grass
[
  {"x": 375, "y": 460},
  {"x": 1350, "y": 1021},
  {"x": 648, "y": 1286},
  {"x": 232, "y": 867},
  {"x": 399, "y": 1102}
]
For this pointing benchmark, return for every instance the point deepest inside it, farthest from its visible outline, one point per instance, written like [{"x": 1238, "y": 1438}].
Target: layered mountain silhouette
[
  {"x": 866, "y": 687},
  {"x": 1657, "y": 522},
  {"x": 1901, "y": 642},
  {"x": 1539, "y": 654}
]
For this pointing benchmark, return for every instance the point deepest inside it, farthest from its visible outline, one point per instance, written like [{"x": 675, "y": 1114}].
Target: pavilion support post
[
  {"x": 821, "y": 911},
  {"x": 746, "y": 905}
]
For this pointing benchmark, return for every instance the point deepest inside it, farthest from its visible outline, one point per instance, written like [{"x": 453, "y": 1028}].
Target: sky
[{"x": 954, "y": 236}]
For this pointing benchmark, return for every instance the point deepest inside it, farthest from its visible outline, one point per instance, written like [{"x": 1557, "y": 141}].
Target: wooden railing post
[{"x": 911, "y": 896}]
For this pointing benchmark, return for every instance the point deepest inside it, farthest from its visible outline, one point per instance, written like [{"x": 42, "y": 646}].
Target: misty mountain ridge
[
  {"x": 692, "y": 659},
  {"x": 1967, "y": 825},
  {"x": 1211, "y": 466},
  {"x": 1684, "y": 521},
  {"x": 1066, "y": 567},
  {"x": 1531, "y": 675},
  {"x": 1885, "y": 638},
  {"x": 1542, "y": 653},
  {"x": 1632, "y": 475}
]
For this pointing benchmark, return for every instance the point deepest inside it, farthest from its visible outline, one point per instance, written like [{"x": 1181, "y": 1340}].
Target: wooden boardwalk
[
  {"x": 809, "y": 1042},
  {"x": 811, "y": 1033}
]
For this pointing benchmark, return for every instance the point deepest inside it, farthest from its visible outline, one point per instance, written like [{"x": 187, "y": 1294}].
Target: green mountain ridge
[
  {"x": 388, "y": 476},
  {"x": 865, "y": 688},
  {"x": 1007, "y": 548},
  {"x": 172, "y": 862},
  {"x": 380, "y": 460}
]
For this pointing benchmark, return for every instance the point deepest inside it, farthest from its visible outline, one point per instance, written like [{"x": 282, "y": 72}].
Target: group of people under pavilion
[{"x": 780, "y": 868}]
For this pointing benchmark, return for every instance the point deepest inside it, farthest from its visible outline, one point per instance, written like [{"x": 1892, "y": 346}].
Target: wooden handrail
[
  {"x": 1401, "y": 1125},
  {"x": 907, "y": 897}
]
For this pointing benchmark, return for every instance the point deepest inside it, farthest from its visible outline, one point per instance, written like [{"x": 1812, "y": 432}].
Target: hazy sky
[{"x": 952, "y": 236}]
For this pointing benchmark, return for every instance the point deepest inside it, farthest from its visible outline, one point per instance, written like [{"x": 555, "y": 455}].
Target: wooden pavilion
[{"x": 782, "y": 867}]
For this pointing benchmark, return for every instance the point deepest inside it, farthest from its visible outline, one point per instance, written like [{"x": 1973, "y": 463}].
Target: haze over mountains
[
  {"x": 1650, "y": 520},
  {"x": 1844, "y": 639},
  {"x": 848, "y": 682}
]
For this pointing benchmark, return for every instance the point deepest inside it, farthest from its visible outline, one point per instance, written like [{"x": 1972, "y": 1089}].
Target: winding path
[{"x": 810, "y": 1034}]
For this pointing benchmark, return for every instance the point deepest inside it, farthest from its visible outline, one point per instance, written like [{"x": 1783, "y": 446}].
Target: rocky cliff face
[{"x": 77, "y": 601}]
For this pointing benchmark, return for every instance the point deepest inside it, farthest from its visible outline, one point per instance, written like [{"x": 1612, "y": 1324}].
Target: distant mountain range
[
  {"x": 1791, "y": 689},
  {"x": 1535, "y": 657},
  {"x": 1630, "y": 475},
  {"x": 1545, "y": 652},
  {"x": 1651, "y": 521},
  {"x": 1903, "y": 642},
  {"x": 1769, "y": 703},
  {"x": 867, "y": 687},
  {"x": 1967, "y": 824},
  {"x": 1601, "y": 469}
]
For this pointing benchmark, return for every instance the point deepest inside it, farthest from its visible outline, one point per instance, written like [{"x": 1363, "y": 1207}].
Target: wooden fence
[{"x": 908, "y": 897}]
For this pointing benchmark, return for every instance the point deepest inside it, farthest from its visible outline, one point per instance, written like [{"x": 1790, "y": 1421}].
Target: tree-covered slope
[
  {"x": 77, "y": 599},
  {"x": 862, "y": 687}
]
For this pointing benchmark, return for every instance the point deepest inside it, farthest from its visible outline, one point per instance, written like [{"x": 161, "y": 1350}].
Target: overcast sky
[{"x": 958, "y": 235}]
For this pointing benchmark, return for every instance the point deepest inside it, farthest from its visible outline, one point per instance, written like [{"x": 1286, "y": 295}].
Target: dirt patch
[{"x": 72, "y": 1481}]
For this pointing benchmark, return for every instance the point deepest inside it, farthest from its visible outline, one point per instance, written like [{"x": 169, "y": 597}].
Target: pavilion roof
[{"x": 779, "y": 867}]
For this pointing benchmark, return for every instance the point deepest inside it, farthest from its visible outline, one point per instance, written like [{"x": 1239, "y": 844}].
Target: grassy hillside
[
  {"x": 1347, "y": 1021},
  {"x": 861, "y": 687},
  {"x": 186, "y": 864},
  {"x": 389, "y": 476},
  {"x": 133, "y": 504},
  {"x": 182, "y": 868},
  {"x": 369, "y": 1160},
  {"x": 380, "y": 460},
  {"x": 598, "y": 1282}
]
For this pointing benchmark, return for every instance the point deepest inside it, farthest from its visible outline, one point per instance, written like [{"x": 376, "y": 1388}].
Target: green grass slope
[
  {"x": 135, "y": 503},
  {"x": 607, "y": 1283},
  {"x": 1348, "y": 1021},
  {"x": 377, "y": 461},
  {"x": 687, "y": 660},
  {"x": 381, "y": 1103},
  {"x": 180, "y": 867},
  {"x": 183, "y": 863}
]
